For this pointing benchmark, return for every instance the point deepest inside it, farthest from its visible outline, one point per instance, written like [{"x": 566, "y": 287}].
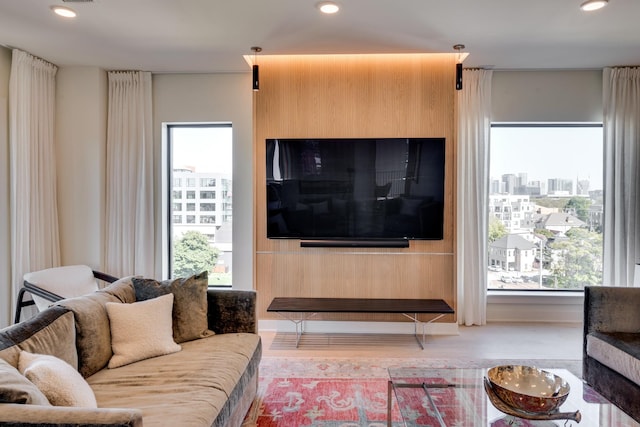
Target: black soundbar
[{"x": 355, "y": 243}]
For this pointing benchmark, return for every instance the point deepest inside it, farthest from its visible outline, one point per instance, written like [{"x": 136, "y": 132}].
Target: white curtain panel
[
  {"x": 34, "y": 210},
  {"x": 621, "y": 99},
  {"x": 130, "y": 214},
  {"x": 474, "y": 122}
]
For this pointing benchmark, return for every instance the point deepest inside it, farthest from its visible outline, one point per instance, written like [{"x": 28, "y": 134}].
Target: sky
[
  {"x": 545, "y": 153},
  {"x": 206, "y": 149}
]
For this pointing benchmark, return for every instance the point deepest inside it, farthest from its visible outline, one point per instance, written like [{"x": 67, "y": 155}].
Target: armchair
[{"x": 53, "y": 284}]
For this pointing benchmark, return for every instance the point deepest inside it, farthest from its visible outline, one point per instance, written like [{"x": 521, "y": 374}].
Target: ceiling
[{"x": 205, "y": 36}]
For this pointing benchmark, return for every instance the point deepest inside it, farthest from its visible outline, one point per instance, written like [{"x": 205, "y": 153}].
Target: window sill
[{"x": 535, "y": 297}]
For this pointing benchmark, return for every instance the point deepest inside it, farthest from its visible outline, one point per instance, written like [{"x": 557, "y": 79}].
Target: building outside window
[
  {"x": 200, "y": 157},
  {"x": 545, "y": 206},
  {"x": 207, "y": 219}
]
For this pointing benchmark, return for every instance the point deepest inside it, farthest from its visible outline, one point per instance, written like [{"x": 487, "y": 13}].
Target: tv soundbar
[{"x": 355, "y": 243}]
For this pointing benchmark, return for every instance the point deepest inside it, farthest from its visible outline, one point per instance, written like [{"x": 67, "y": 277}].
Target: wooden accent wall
[{"x": 327, "y": 96}]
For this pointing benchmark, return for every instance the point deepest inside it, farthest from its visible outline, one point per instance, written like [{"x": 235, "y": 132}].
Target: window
[
  {"x": 207, "y": 219},
  {"x": 545, "y": 206},
  {"x": 199, "y": 157}
]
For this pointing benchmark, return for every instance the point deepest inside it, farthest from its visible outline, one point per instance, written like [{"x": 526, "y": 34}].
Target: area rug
[{"x": 339, "y": 392}]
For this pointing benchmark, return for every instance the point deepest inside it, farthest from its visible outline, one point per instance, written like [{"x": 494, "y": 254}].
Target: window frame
[
  {"x": 167, "y": 183},
  {"x": 522, "y": 124}
]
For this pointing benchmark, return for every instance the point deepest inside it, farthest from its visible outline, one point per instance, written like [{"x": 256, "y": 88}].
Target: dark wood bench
[{"x": 309, "y": 307}]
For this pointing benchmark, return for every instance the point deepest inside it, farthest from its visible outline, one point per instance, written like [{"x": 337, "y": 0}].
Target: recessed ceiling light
[
  {"x": 590, "y": 5},
  {"x": 328, "y": 7},
  {"x": 64, "y": 11}
]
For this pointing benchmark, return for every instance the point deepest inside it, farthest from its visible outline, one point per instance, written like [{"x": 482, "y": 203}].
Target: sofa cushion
[
  {"x": 141, "y": 330},
  {"x": 122, "y": 289},
  {"x": 15, "y": 388},
  {"x": 57, "y": 380},
  {"x": 93, "y": 340},
  {"x": 49, "y": 332},
  {"x": 619, "y": 351},
  {"x": 194, "y": 386},
  {"x": 189, "y": 306}
]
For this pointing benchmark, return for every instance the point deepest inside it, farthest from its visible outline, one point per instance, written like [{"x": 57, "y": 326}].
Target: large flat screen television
[{"x": 355, "y": 189}]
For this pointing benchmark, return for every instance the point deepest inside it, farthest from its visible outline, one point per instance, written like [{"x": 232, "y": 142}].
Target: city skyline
[{"x": 544, "y": 153}]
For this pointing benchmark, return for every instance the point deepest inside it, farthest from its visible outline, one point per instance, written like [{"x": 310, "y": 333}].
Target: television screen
[{"x": 355, "y": 188}]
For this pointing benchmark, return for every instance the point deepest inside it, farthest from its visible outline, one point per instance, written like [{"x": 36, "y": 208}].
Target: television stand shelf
[{"x": 309, "y": 307}]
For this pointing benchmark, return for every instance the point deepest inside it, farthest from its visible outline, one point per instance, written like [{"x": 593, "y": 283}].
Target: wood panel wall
[{"x": 325, "y": 96}]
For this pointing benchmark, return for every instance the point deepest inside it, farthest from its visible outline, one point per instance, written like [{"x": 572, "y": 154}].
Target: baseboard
[{"x": 334, "y": 327}]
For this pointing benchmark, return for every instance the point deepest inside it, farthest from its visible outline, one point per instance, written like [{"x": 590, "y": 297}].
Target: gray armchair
[{"x": 611, "y": 345}]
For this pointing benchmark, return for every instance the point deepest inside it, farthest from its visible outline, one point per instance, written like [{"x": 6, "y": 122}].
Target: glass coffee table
[{"x": 455, "y": 397}]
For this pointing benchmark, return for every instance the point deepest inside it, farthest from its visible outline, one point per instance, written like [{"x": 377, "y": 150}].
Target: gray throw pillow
[
  {"x": 15, "y": 388},
  {"x": 189, "y": 304}
]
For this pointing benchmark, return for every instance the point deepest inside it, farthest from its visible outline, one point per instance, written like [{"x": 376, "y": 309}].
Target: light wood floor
[{"x": 492, "y": 341}]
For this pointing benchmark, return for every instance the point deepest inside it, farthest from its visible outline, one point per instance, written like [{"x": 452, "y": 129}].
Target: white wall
[
  {"x": 81, "y": 117},
  {"x": 6, "y": 316},
  {"x": 216, "y": 98},
  {"x": 543, "y": 96}
]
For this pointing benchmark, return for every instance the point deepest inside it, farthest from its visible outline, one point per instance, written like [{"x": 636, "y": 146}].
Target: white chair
[{"x": 54, "y": 284}]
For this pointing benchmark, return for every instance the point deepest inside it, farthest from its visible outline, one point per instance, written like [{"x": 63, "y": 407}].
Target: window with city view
[
  {"x": 545, "y": 206},
  {"x": 200, "y": 208}
]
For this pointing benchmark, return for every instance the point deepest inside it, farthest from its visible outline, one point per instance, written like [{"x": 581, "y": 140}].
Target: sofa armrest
[
  {"x": 231, "y": 310},
  {"x": 611, "y": 309},
  {"x": 34, "y": 415}
]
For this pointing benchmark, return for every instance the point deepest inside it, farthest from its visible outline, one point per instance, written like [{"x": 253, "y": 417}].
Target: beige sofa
[{"x": 211, "y": 381}]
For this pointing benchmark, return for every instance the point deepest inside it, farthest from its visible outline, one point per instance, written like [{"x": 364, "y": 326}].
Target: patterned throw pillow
[
  {"x": 189, "y": 306},
  {"x": 141, "y": 330}
]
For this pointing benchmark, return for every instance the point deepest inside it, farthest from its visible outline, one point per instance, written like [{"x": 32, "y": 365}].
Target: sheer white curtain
[
  {"x": 130, "y": 213},
  {"x": 34, "y": 211},
  {"x": 474, "y": 122},
  {"x": 621, "y": 99}
]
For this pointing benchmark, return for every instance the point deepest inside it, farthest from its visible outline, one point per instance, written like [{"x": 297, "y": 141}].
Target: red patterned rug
[{"x": 314, "y": 392}]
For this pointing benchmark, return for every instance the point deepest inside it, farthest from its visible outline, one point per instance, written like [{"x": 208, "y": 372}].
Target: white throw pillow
[
  {"x": 57, "y": 380},
  {"x": 141, "y": 330}
]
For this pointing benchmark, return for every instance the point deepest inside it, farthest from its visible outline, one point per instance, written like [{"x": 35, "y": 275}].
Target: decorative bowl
[{"x": 528, "y": 388}]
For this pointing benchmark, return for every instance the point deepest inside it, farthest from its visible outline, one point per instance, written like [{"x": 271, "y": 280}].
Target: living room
[{"x": 543, "y": 94}]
